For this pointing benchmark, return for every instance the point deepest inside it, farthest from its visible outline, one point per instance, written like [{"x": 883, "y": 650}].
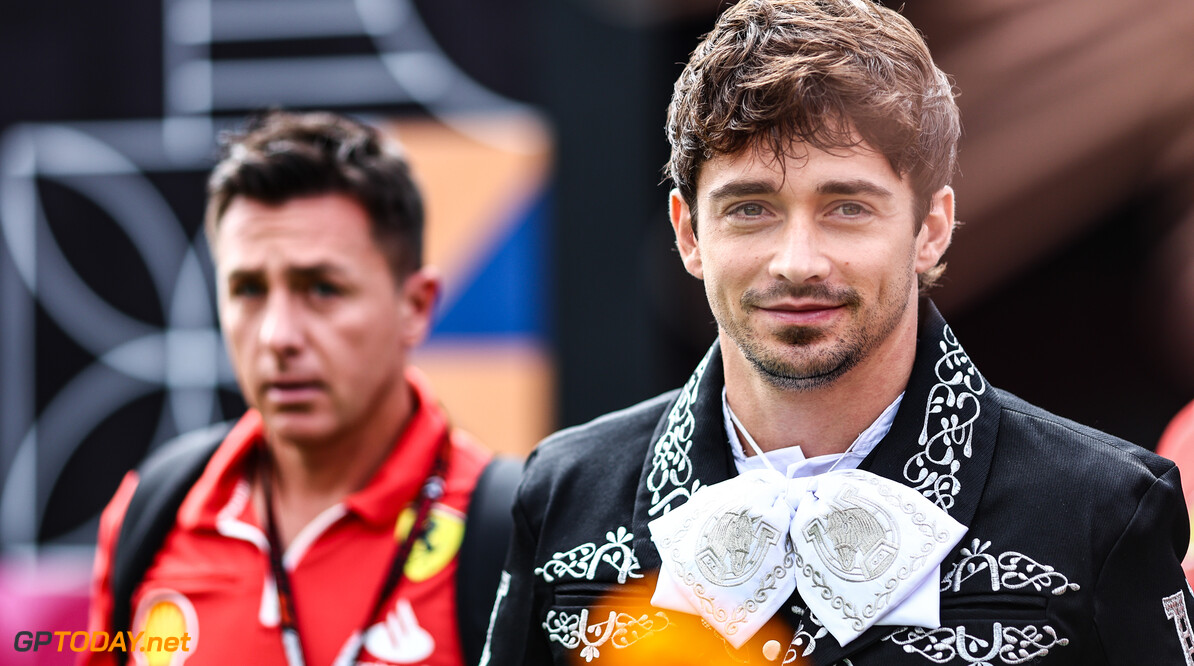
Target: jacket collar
[{"x": 689, "y": 451}]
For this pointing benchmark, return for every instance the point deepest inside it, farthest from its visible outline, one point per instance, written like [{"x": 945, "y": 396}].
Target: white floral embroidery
[
  {"x": 805, "y": 637},
  {"x": 1007, "y": 645},
  {"x": 582, "y": 561},
  {"x": 619, "y": 630},
  {"x": 1010, "y": 570},
  {"x": 1175, "y": 609},
  {"x": 950, "y": 413},
  {"x": 671, "y": 468}
]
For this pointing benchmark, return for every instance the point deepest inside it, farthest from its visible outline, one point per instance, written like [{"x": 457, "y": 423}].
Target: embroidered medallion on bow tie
[{"x": 861, "y": 549}]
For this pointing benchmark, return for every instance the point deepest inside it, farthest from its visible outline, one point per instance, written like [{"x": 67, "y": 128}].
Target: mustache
[{"x": 846, "y": 296}]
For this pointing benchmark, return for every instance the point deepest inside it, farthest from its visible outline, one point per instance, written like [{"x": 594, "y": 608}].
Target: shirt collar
[
  {"x": 393, "y": 486},
  {"x": 398, "y": 480},
  {"x": 791, "y": 459}
]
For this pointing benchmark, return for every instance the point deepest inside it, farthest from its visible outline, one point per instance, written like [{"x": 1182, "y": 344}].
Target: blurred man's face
[
  {"x": 316, "y": 324},
  {"x": 809, "y": 264}
]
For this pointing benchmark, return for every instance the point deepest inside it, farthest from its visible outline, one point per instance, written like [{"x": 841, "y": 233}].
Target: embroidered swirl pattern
[
  {"x": 1175, "y": 609},
  {"x": 619, "y": 630},
  {"x": 740, "y": 613},
  {"x": 1007, "y": 645},
  {"x": 857, "y": 616},
  {"x": 950, "y": 413},
  {"x": 582, "y": 561},
  {"x": 1010, "y": 570},
  {"x": 671, "y": 467}
]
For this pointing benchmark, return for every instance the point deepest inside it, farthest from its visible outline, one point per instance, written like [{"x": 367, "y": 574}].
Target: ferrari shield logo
[
  {"x": 439, "y": 544},
  {"x": 855, "y": 538},
  {"x": 732, "y": 546}
]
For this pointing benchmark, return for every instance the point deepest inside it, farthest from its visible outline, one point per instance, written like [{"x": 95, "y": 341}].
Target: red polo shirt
[{"x": 211, "y": 580}]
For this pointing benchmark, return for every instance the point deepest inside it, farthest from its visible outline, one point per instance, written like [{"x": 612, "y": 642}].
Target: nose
[
  {"x": 800, "y": 256},
  {"x": 281, "y": 329}
]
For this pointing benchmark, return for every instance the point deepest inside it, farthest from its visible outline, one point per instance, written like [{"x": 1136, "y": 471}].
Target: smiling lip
[{"x": 803, "y": 313}]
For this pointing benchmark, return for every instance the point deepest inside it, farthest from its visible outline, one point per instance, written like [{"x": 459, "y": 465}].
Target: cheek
[
  {"x": 730, "y": 263},
  {"x": 373, "y": 337},
  {"x": 232, "y": 328},
  {"x": 241, "y": 333}
]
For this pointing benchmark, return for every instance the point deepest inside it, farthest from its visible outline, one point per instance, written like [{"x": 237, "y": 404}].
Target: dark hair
[
  {"x": 280, "y": 156},
  {"x": 824, "y": 72}
]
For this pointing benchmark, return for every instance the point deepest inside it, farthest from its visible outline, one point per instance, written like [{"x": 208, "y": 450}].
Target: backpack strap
[
  {"x": 164, "y": 479},
  {"x": 488, "y": 526}
]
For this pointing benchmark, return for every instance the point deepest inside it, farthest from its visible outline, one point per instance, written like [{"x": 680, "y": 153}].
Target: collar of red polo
[{"x": 392, "y": 487}]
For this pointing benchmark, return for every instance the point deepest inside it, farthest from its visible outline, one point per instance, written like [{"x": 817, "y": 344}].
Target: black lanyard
[{"x": 432, "y": 490}]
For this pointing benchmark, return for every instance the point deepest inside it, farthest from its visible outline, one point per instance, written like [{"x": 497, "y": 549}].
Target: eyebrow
[
  {"x": 301, "y": 272},
  {"x": 741, "y": 188},
  {"x": 854, "y": 187},
  {"x": 315, "y": 271}
]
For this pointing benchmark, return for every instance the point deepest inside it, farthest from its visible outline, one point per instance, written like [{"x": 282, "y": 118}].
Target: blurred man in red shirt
[{"x": 325, "y": 527}]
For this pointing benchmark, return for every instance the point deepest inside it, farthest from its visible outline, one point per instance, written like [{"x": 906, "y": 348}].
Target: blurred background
[{"x": 536, "y": 129}]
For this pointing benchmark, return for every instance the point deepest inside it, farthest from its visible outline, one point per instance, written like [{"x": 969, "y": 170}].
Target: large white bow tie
[{"x": 862, "y": 550}]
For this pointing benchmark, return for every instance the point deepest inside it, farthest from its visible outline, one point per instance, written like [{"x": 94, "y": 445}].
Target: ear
[
  {"x": 936, "y": 231},
  {"x": 686, "y": 240},
  {"x": 419, "y": 293}
]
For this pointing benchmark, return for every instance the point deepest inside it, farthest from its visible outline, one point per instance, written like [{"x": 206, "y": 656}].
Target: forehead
[
  {"x": 802, "y": 165},
  {"x": 325, "y": 229}
]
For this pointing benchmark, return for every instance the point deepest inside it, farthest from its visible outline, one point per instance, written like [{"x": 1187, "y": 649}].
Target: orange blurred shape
[
  {"x": 1177, "y": 444},
  {"x": 624, "y": 629}
]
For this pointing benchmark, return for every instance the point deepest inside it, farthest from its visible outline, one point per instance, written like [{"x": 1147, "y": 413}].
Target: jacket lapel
[
  {"x": 689, "y": 451},
  {"x": 943, "y": 437},
  {"x": 941, "y": 442}
]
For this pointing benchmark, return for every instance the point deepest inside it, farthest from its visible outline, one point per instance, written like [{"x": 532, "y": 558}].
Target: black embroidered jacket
[{"x": 1072, "y": 555}]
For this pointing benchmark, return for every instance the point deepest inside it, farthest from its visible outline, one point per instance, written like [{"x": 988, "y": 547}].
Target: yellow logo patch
[
  {"x": 167, "y": 629},
  {"x": 433, "y": 552}
]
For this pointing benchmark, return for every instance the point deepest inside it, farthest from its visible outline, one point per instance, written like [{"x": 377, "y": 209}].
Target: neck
[
  {"x": 827, "y": 419},
  {"x": 307, "y": 478}
]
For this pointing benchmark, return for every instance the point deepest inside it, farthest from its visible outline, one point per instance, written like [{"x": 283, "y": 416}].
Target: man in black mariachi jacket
[{"x": 836, "y": 483}]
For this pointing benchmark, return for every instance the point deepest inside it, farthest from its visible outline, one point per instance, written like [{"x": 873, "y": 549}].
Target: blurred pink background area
[{"x": 48, "y": 593}]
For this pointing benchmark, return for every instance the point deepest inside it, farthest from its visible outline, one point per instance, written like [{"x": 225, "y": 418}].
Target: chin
[
  {"x": 300, "y": 429},
  {"x": 812, "y": 362},
  {"x": 801, "y": 337}
]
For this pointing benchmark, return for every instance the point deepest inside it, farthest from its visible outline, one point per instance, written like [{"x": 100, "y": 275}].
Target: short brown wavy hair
[{"x": 824, "y": 72}]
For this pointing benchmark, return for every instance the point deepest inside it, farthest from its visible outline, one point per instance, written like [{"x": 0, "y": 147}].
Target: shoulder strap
[
  {"x": 163, "y": 481},
  {"x": 483, "y": 552}
]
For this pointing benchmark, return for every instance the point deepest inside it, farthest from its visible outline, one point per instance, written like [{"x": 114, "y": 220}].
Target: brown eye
[
  {"x": 247, "y": 289},
  {"x": 324, "y": 289}
]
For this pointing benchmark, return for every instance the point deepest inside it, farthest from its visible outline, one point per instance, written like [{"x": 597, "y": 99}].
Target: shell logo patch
[
  {"x": 433, "y": 552},
  {"x": 166, "y": 617}
]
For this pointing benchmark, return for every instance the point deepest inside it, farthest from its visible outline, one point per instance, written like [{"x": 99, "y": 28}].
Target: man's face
[
  {"x": 809, "y": 263},
  {"x": 316, "y": 324}
]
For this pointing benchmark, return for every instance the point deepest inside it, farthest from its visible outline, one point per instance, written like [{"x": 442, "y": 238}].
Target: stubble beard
[{"x": 795, "y": 365}]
